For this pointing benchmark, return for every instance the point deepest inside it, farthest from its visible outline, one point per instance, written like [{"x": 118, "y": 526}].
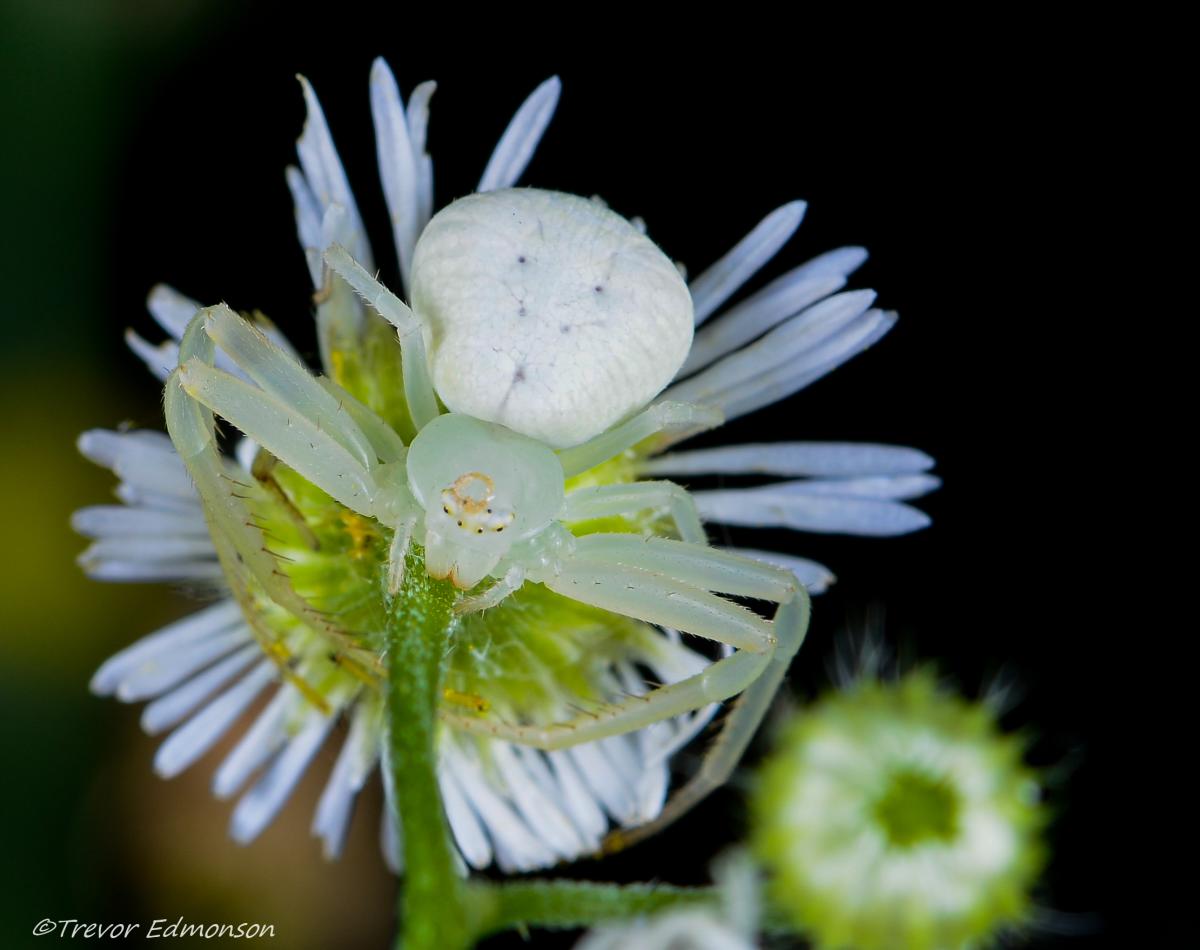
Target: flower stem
[
  {"x": 433, "y": 902},
  {"x": 577, "y": 903}
]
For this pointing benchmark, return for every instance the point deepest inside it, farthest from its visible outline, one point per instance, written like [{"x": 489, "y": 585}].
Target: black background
[{"x": 963, "y": 167}]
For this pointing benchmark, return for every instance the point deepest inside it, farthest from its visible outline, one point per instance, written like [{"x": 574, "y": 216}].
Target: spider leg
[
  {"x": 383, "y": 438},
  {"x": 281, "y": 428},
  {"x": 663, "y": 416},
  {"x": 719, "y": 681},
  {"x": 418, "y": 386},
  {"x": 667, "y": 583},
  {"x": 398, "y": 552},
  {"x": 281, "y": 376},
  {"x": 702, "y": 567},
  {"x": 600, "y": 579},
  {"x": 791, "y": 625},
  {"x": 600, "y": 501},
  {"x": 221, "y": 486},
  {"x": 510, "y": 583}
]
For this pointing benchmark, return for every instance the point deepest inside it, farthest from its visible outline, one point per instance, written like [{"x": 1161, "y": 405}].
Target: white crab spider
[{"x": 484, "y": 499}]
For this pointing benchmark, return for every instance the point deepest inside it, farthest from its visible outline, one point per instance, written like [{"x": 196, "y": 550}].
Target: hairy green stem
[
  {"x": 434, "y": 910},
  {"x": 577, "y": 903}
]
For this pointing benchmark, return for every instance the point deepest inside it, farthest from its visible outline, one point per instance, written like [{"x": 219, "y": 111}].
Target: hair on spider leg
[
  {"x": 278, "y": 556},
  {"x": 584, "y": 711}
]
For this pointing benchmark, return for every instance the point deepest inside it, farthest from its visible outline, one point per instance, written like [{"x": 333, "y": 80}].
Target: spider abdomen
[{"x": 547, "y": 313}]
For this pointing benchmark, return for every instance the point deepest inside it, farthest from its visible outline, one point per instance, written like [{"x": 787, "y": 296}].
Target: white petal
[
  {"x": 171, "y": 707},
  {"x": 196, "y": 736},
  {"x": 106, "y": 446},
  {"x": 418, "y": 127},
  {"x": 397, "y": 163},
  {"x": 688, "y": 727},
  {"x": 786, "y": 349},
  {"x": 98, "y": 521},
  {"x": 389, "y": 843},
  {"x": 152, "y": 550},
  {"x": 767, "y": 507},
  {"x": 623, "y": 753},
  {"x": 156, "y": 674},
  {"x": 173, "y": 312},
  {"x": 779, "y": 300},
  {"x": 161, "y": 360},
  {"x": 326, "y": 177},
  {"x": 517, "y": 848},
  {"x": 816, "y": 577},
  {"x": 244, "y": 452},
  {"x": 468, "y": 832},
  {"x": 390, "y": 835},
  {"x": 783, "y": 381},
  {"x": 256, "y": 809},
  {"x": 792, "y": 458},
  {"x": 258, "y": 744},
  {"x": 896, "y": 487},
  {"x": 715, "y": 285},
  {"x": 133, "y": 495},
  {"x": 652, "y": 784},
  {"x": 520, "y": 139},
  {"x": 577, "y": 798},
  {"x": 170, "y": 309},
  {"x": 671, "y": 661},
  {"x": 541, "y": 813},
  {"x": 209, "y": 622},
  {"x": 196, "y": 572},
  {"x": 843, "y": 261},
  {"x": 671, "y": 666},
  {"x": 356, "y": 761},
  {"x": 149, "y": 464},
  {"x": 750, "y": 320},
  {"x": 309, "y": 216},
  {"x": 605, "y": 780}
]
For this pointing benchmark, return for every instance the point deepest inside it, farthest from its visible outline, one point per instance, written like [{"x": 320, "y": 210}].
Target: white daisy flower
[{"x": 535, "y": 655}]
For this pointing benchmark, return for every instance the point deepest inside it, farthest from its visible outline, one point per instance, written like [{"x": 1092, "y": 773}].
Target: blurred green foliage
[{"x": 92, "y": 833}]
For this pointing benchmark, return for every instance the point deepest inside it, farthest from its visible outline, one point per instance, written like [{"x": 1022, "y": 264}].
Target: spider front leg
[
  {"x": 418, "y": 385},
  {"x": 288, "y": 413},
  {"x": 315, "y": 428},
  {"x": 223, "y": 487},
  {"x": 681, "y": 418},
  {"x": 668, "y": 582},
  {"x": 601, "y": 501}
]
